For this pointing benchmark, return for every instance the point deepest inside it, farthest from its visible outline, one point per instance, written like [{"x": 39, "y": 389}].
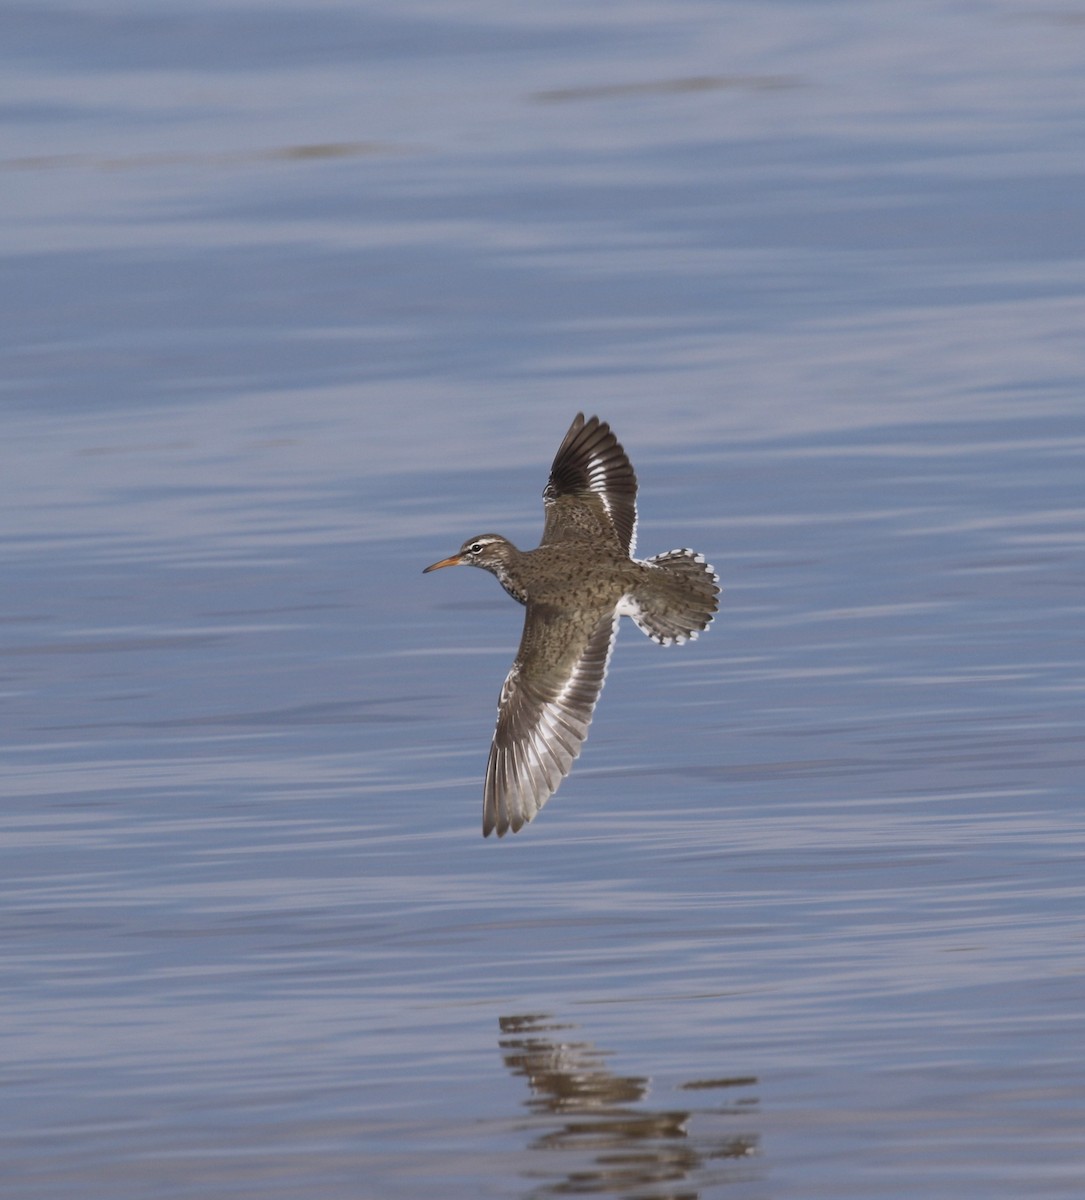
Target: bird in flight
[{"x": 576, "y": 584}]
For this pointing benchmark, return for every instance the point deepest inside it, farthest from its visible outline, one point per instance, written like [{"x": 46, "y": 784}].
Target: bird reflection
[{"x": 611, "y": 1143}]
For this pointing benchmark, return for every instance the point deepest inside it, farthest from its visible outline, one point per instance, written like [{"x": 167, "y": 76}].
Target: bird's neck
[{"x": 508, "y": 574}]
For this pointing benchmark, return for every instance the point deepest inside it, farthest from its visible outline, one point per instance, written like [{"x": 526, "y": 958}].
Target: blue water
[{"x": 294, "y": 300}]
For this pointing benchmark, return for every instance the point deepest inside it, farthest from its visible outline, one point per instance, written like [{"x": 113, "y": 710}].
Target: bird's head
[{"x": 489, "y": 550}]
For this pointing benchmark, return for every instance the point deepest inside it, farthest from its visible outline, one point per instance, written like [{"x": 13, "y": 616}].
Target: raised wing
[
  {"x": 544, "y": 712},
  {"x": 592, "y": 492}
]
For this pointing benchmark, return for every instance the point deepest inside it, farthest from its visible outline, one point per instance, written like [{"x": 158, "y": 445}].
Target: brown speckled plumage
[{"x": 576, "y": 584}]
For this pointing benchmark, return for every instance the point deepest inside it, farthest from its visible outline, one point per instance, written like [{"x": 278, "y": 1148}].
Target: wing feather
[
  {"x": 544, "y": 713},
  {"x": 592, "y": 491}
]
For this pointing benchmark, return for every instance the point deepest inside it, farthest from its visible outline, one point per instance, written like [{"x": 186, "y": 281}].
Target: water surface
[{"x": 295, "y": 300}]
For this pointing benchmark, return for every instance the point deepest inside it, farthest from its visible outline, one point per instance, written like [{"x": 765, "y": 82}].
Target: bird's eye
[{"x": 475, "y": 547}]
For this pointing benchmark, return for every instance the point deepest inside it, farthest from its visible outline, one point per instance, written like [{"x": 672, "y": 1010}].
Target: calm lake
[{"x": 296, "y": 298}]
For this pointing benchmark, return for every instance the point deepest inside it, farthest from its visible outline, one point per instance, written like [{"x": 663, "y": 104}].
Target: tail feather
[{"x": 679, "y": 602}]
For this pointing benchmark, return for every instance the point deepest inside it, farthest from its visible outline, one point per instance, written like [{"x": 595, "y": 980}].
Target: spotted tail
[{"x": 679, "y": 597}]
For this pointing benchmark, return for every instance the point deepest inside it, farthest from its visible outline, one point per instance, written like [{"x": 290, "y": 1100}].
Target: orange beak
[{"x": 454, "y": 561}]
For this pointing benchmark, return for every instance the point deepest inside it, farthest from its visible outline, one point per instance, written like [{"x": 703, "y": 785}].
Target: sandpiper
[{"x": 575, "y": 584}]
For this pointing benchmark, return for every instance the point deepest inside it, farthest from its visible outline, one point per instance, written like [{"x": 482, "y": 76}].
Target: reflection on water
[{"x": 610, "y": 1142}]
